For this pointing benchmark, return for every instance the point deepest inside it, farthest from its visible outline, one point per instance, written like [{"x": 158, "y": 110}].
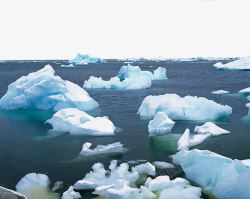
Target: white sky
[{"x": 58, "y": 29}]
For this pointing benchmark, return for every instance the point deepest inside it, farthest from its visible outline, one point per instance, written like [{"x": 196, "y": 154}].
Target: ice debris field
[{"x": 206, "y": 173}]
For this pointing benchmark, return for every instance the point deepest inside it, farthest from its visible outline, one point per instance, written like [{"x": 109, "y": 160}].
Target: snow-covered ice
[
  {"x": 224, "y": 177},
  {"x": 160, "y": 125},
  {"x": 163, "y": 165},
  {"x": 71, "y": 194},
  {"x": 210, "y": 128},
  {"x": 220, "y": 92},
  {"x": 44, "y": 90},
  {"x": 84, "y": 59},
  {"x": 32, "y": 185},
  {"x": 146, "y": 168},
  {"x": 116, "y": 147},
  {"x": 239, "y": 64},
  {"x": 245, "y": 91},
  {"x": 246, "y": 162},
  {"x": 75, "y": 121},
  {"x": 183, "y": 108},
  {"x": 129, "y": 77}
]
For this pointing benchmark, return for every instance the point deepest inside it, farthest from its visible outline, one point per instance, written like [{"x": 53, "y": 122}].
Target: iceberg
[
  {"x": 71, "y": 194},
  {"x": 75, "y": 121},
  {"x": 43, "y": 90},
  {"x": 246, "y": 162},
  {"x": 210, "y": 128},
  {"x": 215, "y": 173},
  {"x": 245, "y": 91},
  {"x": 146, "y": 168},
  {"x": 219, "y": 92},
  {"x": 84, "y": 59},
  {"x": 116, "y": 147},
  {"x": 160, "y": 125},
  {"x": 129, "y": 77},
  {"x": 239, "y": 64},
  {"x": 163, "y": 165},
  {"x": 34, "y": 184},
  {"x": 183, "y": 108},
  {"x": 67, "y": 66}
]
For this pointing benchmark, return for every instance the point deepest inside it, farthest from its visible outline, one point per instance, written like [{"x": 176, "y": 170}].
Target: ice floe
[
  {"x": 116, "y": 147},
  {"x": 163, "y": 165},
  {"x": 75, "y": 121},
  {"x": 245, "y": 91},
  {"x": 183, "y": 142},
  {"x": 146, "y": 168},
  {"x": 32, "y": 185},
  {"x": 71, "y": 194},
  {"x": 239, "y": 64},
  {"x": 84, "y": 59},
  {"x": 43, "y": 90},
  {"x": 160, "y": 125},
  {"x": 183, "y": 108},
  {"x": 67, "y": 65},
  {"x": 129, "y": 77},
  {"x": 210, "y": 128},
  {"x": 222, "y": 176},
  {"x": 220, "y": 92}
]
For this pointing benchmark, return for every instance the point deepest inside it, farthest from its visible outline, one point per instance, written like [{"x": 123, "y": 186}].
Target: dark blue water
[{"x": 24, "y": 147}]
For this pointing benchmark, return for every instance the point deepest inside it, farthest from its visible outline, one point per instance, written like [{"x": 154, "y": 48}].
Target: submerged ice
[
  {"x": 224, "y": 177},
  {"x": 183, "y": 108},
  {"x": 44, "y": 90},
  {"x": 129, "y": 77},
  {"x": 75, "y": 121}
]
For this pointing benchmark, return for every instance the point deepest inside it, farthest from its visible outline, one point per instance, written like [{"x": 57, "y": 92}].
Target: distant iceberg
[
  {"x": 239, "y": 64},
  {"x": 84, "y": 59},
  {"x": 75, "y": 121},
  {"x": 219, "y": 92},
  {"x": 246, "y": 92},
  {"x": 44, "y": 90},
  {"x": 129, "y": 77},
  {"x": 183, "y": 108},
  {"x": 223, "y": 177},
  {"x": 116, "y": 147}
]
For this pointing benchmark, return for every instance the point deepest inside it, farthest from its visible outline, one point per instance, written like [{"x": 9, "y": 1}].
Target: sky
[{"x": 59, "y": 29}]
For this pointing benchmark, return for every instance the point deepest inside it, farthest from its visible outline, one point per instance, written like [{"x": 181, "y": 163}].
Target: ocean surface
[{"x": 26, "y": 146}]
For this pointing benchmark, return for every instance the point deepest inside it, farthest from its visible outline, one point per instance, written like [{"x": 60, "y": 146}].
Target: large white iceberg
[
  {"x": 84, "y": 59},
  {"x": 75, "y": 121},
  {"x": 116, "y": 147},
  {"x": 183, "y": 108},
  {"x": 239, "y": 64},
  {"x": 224, "y": 177},
  {"x": 44, "y": 90},
  {"x": 33, "y": 185},
  {"x": 129, "y": 77},
  {"x": 160, "y": 125}
]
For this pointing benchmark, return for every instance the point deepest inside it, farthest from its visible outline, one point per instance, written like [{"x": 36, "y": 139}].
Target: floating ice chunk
[
  {"x": 129, "y": 77},
  {"x": 246, "y": 162},
  {"x": 181, "y": 193},
  {"x": 183, "y": 143},
  {"x": 146, "y": 168},
  {"x": 98, "y": 177},
  {"x": 75, "y": 121},
  {"x": 120, "y": 190},
  {"x": 116, "y": 147},
  {"x": 220, "y": 92},
  {"x": 240, "y": 64},
  {"x": 71, "y": 194},
  {"x": 84, "y": 59},
  {"x": 43, "y": 90},
  {"x": 186, "y": 141},
  {"x": 163, "y": 165},
  {"x": 183, "y": 108},
  {"x": 215, "y": 173},
  {"x": 158, "y": 184},
  {"x": 245, "y": 91},
  {"x": 160, "y": 125},
  {"x": 67, "y": 66},
  {"x": 210, "y": 128},
  {"x": 32, "y": 185}
]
